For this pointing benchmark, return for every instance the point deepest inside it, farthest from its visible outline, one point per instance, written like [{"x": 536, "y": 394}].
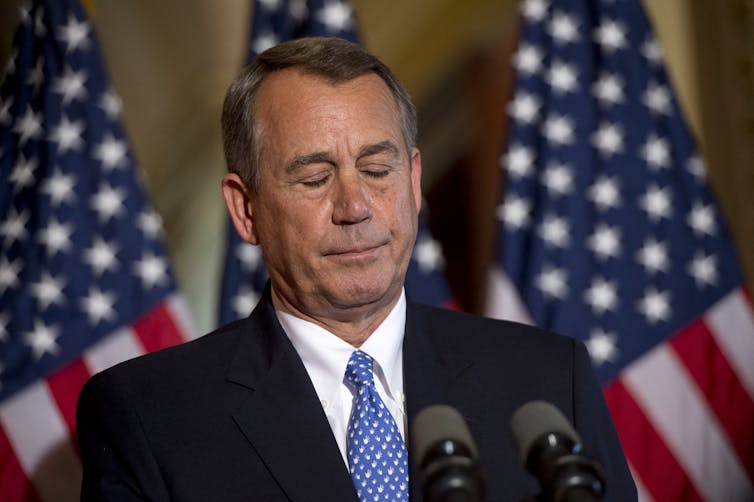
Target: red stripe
[
  {"x": 660, "y": 473},
  {"x": 157, "y": 329},
  {"x": 65, "y": 386},
  {"x": 14, "y": 485},
  {"x": 717, "y": 380}
]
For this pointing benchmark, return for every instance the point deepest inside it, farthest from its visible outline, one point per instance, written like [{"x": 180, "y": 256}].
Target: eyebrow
[
  {"x": 310, "y": 158},
  {"x": 386, "y": 146}
]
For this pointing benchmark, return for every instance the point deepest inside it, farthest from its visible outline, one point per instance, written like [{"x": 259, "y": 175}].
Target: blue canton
[{"x": 377, "y": 456}]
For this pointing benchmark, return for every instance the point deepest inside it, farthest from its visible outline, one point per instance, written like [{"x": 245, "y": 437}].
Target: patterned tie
[{"x": 376, "y": 454}]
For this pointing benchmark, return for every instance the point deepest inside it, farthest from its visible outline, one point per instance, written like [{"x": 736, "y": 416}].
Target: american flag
[
  {"x": 84, "y": 279},
  {"x": 608, "y": 233},
  {"x": 244, "y": 275}
]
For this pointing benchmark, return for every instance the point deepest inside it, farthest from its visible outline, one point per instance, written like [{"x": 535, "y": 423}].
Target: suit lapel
[
  {"x": 282, "y": 417},
  {"x": 433, "y": 374}
]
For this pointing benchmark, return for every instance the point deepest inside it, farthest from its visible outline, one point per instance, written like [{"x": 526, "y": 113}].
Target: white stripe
[
  {"x": 641, "y": 491},
  {"x": 180, "y": 312},
  {"x": 732, "y": 324},
  {"x": 113, "y": 349},
  {"x": 41, "y": 442},
  {"x": 659, "y": 383},
  {"x": 503, "y": 301}
]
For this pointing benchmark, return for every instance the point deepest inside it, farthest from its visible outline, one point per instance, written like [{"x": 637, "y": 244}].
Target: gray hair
[{"x": 334, "y": 59}]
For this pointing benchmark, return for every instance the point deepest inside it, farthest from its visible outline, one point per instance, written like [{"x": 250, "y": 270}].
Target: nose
[{"x": 352, "y": 204}]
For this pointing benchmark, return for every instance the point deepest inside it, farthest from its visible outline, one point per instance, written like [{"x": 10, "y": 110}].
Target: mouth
[{"x": 355, "y": 252}]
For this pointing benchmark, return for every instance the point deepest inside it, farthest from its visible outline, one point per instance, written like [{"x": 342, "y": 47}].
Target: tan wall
[{"x": 171, "y": 61}]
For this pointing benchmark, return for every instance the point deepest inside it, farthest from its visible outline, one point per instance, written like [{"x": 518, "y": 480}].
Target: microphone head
[
  {"x": 439, "y": 423},
  {"x": 536, "y": 419}
]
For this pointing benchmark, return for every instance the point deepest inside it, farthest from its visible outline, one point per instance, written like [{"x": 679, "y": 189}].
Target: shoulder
[{"x": 484, "y": 335}]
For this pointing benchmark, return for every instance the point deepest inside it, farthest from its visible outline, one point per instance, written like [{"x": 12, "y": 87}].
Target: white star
[
  {"x": 36, "y": 75},
  {"x": 4, "y": 321},
  {"x": 695, "y": 165},
  {"x": 519, "y": 160},
  {"x": 101, "y": 256},
  {"x": 48, "y": 290},
  {"x": 555, "y": 231},
  {"x": 656, "y": 202},
  {"x": 534, "y": 10},
  {"x": 609, "y": 89},
  {"x": 611, "y": 35},
  {"x": 10, "y": 66},
  {"x": 29, "y": 126},
  {"x": 558, "y": 178},
  {"x": 111, "y": 152},
  {"x": 653, "y": 256},
  {"x": 528, "y": 59},
  {"x": 701, "y": 219},
  {"x": 67, "y": 134},
  {"x": 150, "y": 223},
  {"x": 602, "y": 295},
  {"x": 563, "y": 77},
  {"x": 42, "y": 339},
  {"x": 5, "y": 116},
  {"x": 656, "y": 152},
  {"x": 608, "y": 139},
  {"x": 703, "y": 268},
  {"x": 270, "y": 4},
  {"x": 108, "y": 202},
  {"x": 601, "y": 346},
  {"x": 71, "y": 85},
  {"x": 298, "y": 10},
  {"x": 74, "y": 34},
  {"x": 553, "y": 282},
  {"x": 56, "y": 237},
  {"x": 39, "y": 27},
  {"x": 428, "y": 254},
  {"x": 605, "y": 241},
  {"x": 651, "y": 50},
  {"x": 558, "y": 129},
  {"x": 23, "y": 173},
  {"x": 525, "y": 107},
  {"x": 563, "y": 28},
  {"x": 264, "y": 41},
  {"x": 605, "y": 193},
  {"x": 111, "y": 104},
  {"x": 655, "y": 305},
  {"x": 14, "y": 227},
  {"x": 657, "y": 98},
  {"x": 514, "y": 212},
  {"x": 24, "y": 13},
  {"x": 59, "y": 187},
  {"x": 335, "y": 15},
  {"x": 152, "y": 270},
  {"x": 244, "y": 301},
  {"x": 98, "y": 306},
  {"x": 249, "y": 256},
  {"x": 9, "y": 271}
]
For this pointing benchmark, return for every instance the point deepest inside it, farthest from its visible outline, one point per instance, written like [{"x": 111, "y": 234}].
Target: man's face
[{"x": 336, "y": 210}]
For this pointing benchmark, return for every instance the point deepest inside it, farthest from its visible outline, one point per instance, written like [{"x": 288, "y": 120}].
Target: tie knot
[{"x": 359, "y": 369}]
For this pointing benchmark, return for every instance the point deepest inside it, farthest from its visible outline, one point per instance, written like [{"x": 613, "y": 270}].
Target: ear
[
  {"x": 416, "y": 177},
  {"x": 238, "y": 200}
]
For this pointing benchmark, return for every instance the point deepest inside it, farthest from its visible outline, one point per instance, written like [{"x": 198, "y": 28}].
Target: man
[{"x": 320, "y": 140}]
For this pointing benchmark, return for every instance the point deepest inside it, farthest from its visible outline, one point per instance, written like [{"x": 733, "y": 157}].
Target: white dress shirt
[{"x": 325, "y": 358}]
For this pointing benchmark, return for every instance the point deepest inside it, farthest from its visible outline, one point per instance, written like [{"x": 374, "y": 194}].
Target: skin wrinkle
[{"x": 336, "y": 211}]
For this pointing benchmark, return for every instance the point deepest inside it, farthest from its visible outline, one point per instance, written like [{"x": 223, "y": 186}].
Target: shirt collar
[{"x": 325, "y": 356}]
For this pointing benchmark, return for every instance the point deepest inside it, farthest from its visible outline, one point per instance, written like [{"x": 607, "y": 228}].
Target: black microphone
[
  {"x": 551, "y": 450},
  {"x": 446, "y": 456}
]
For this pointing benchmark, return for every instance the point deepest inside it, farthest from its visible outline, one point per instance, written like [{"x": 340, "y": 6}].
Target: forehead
[{"x": 291, "y": 97}]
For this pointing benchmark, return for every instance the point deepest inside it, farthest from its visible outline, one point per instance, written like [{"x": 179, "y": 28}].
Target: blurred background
[{"x": 172, "y": 60}]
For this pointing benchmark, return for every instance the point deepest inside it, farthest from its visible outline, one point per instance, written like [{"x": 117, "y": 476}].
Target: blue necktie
[{"x": 377, "y": 457}]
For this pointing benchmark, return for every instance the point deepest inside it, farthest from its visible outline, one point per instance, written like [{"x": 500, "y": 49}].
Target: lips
[{"x": 354, "y": 250}]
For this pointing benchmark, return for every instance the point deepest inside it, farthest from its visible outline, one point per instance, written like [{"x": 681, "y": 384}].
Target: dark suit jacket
[{"x": 234, "y": 416}]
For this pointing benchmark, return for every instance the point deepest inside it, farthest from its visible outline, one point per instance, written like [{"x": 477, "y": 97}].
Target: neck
[{"x": 351, "y": 324}]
